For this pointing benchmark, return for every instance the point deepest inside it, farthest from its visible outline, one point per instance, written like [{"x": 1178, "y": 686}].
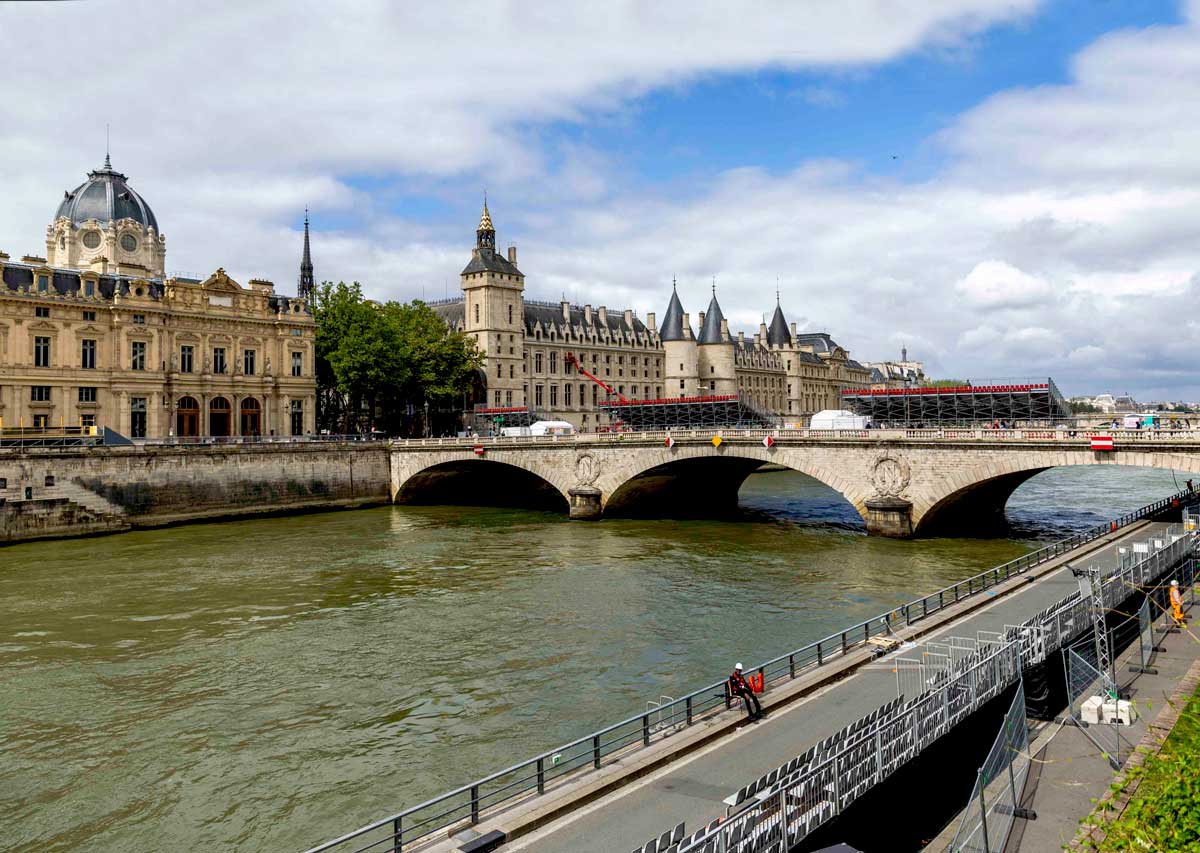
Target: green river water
[{"x": 270, "y": 684}]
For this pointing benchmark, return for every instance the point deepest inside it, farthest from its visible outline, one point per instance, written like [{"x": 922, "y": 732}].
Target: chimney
[
  {"x": 757, "y": 341},
  {"x": 566, "y": 309},
  {"x": 742, "y": 338},
  {"x": 724, "y": 329},
  {"x": 512, "y": 255},
  {"x": 587, "y": 314},
  {"x": 793, "y": 328},
  {"x": 701, "y": 323},
  {"x": 687, "y": 327},
  {"x": 603, "y": 314},
  {"x": 650, "y": 322},
  {"x": 629, "y": 317},
  {"x": 762, "y": 332}
]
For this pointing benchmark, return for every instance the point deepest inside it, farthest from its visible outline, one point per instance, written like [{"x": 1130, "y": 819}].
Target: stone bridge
[{"x": 902, "y": 482}]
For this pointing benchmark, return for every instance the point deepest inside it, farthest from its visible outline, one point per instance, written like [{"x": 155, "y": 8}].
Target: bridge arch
[
  {"x": 705, "y": 480},
  {"x": 974, "y": 497},
  {"x": 455, "y": 479}
]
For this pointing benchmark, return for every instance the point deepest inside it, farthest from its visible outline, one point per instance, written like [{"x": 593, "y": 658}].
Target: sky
[{"x": 1008, "y": 188}]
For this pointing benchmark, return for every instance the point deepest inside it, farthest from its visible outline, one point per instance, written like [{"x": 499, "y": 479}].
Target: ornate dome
[{"x": 105, "y": 197}]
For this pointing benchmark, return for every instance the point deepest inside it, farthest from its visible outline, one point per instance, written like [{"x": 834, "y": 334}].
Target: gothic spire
[
  {"x": 306, "y": 266},
  {"x": 485, "y": 234}
]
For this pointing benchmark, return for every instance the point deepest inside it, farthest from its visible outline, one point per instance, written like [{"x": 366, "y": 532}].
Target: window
[
  {"x": 129, "y": 243},
  {"x": 476, "y": 312},
  {"x": 39, "y": 422},
  {"x": 537, "y": 362},
  {"x": 566, "y": 395},
  {"x": 497, "y": 398},
  {"x": 137, "y": 417},
  {"x": 49, "y": 481},
  {"x": 89, "y": 316},
  {"x": 510, "y": 371},
  {"x": 139, "y": 319},
  {"x": 87, "y": 420},
  {"x": 89, "y": 289},
  {"x": 297, "y": 364},
  {"x": 296, "y": 333},
  {"x": 680, "y": 384},
  {"x": 91, "y": 239},
  {"x": 554, "y": 362},
  {"x": 248, "y": 359},
  {"x": 87, "y": 354},
  {"x": 87, "y": 395},
  {"x": 39, "y": 393},
  {"x": 537, "y": 394},
  {"x": 218, "y": 359},
  {"x": 582, "y": 394},
  {"x": 508, "y": 398},
  {"x": 137, "y": 357},
  {"x": 41, "y": 351},
  {"x": 553, "y": 396},
  {"x": 509, "y": 313},
  {"x": 43, "y": 283},
  {"x": 595, "y": 394},
  {"x": 41, "y": 311},
  {"x": 187, "y": 359},
  {"x": 297, "y": 413},
  {"x": 499, "y": 370}
]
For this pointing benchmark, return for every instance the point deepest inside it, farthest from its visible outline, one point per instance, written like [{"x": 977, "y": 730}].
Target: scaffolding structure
[
  {"x": 713, "y": 411},
  {"x": 966, "y": 405}
]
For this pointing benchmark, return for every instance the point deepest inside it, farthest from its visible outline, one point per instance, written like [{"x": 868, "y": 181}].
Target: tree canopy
[{"x": 380, "y": 365}]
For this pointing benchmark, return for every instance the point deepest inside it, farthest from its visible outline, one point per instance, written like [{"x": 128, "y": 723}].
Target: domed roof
[{"x": 106, "y": 196}]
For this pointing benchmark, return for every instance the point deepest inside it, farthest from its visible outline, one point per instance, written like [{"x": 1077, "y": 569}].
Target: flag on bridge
[
  {"x": 768, "y": 442},
  {"x": 1102, "y": 442},
  {"x": 478, "y": 449},
  {"x": 670, "y": 442}
]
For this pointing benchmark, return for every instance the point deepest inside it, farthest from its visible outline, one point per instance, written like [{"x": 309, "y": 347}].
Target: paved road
[{"x": 692, "y": 790}]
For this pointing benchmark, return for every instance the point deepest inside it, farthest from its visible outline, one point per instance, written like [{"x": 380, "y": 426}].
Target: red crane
[{"x": 570, "y": 358}]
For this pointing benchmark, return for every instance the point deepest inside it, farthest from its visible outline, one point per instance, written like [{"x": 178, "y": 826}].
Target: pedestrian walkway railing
[
  {"x": 996, "y": 799},
  {"x": 533, "y": 776}
]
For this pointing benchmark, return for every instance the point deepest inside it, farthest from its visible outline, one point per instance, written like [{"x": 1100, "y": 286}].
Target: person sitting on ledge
[{"x": 739, "y": 687}]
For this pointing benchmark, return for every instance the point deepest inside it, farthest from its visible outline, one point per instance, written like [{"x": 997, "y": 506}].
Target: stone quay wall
[{"x": 83, "y": 491}]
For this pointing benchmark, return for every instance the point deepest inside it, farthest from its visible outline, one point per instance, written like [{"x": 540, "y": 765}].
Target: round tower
[
  {"x": 716, "y": 358},
  {"x": 680, "y": 356}
]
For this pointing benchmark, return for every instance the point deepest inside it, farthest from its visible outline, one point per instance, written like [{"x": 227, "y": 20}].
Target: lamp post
[{"x": 428, "y": 431}]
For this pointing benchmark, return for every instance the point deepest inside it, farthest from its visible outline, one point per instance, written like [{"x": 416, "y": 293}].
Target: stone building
[
  {"x": 896, "y": 374},
  {"x": 533, "y": 350},
  {"x": 96, "y": 334}
]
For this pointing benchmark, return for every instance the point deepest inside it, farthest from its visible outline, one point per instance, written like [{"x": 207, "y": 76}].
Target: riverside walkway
[
  {"x": 693, "y": 790},
  {"x": 567, "y": 795}
]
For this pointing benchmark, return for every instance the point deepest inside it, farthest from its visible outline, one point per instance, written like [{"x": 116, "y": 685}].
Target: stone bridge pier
[{"x": 900, "y": 485}]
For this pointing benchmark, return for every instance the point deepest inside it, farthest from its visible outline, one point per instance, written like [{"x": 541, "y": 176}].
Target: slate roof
[
  {"x": 672, "y": 324},
  {"x": 777, "y": 332},
  {"x": 819, "y": 341},
  {"x": 105, "y": 196},
  {"x": 489, "y": 260},
  {"x": 549, "y": 315},
  {"x": 19, "y": 277},
  {"x": 710, "y": 333}
]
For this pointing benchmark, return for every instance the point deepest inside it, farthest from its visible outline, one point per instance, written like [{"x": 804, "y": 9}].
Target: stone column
[
  {"x": 585, "y": 503},
  {"x": 889, "y": 516}
]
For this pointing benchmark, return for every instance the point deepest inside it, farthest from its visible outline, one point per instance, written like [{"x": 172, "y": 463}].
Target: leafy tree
[
  {"x": 385, "y": 365},
  {"x": 1081, "y": 407}
]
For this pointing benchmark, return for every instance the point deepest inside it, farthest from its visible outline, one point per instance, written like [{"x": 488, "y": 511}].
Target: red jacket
[{"x": 737, "y": 684}]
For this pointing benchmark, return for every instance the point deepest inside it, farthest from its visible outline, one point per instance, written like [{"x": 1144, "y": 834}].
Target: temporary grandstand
[
  {"x": 717, "y": 410},
  {"x": 1032, "y": 403}
]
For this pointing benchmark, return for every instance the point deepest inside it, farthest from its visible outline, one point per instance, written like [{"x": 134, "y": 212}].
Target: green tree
[{"x": 1080, "y": 407}]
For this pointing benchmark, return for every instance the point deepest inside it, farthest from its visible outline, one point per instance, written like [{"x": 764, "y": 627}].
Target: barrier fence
[
  {"x": 988, "y": 817},
  {"x": 533, "y": 776}
]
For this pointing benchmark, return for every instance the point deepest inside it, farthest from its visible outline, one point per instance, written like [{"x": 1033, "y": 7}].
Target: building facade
[
  {"x": 96, "y": 334},
  {"x": 537, "y": 354}
]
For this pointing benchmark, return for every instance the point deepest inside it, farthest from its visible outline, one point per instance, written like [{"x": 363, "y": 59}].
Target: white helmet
[
  {"x": 737, "y": 666},
  {"x": 1174, "y": 583}
]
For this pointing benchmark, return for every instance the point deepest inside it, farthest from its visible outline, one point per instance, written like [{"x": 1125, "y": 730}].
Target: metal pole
[
  {"x": 397, "y": 835},
  {"x": 981, "y": 781}
]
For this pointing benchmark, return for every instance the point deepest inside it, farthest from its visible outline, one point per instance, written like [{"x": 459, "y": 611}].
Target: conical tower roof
[
  {"x": 710, "y": 333},
  {"x": 672, "y": 324},
  {"x": 777, "y": 333}
]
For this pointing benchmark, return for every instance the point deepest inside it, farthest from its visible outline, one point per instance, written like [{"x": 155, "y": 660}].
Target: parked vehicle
[{"x": 838, "y": 419}]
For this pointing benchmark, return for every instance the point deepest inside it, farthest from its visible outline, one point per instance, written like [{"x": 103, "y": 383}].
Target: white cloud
[
  {"x": 1064, "y": 236},
  {"x": 995, "y": 284}
]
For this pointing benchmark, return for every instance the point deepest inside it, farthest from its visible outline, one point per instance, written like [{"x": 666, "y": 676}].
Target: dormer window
[
  {"x": 89, "y": 288},
  {"x": 43, "y": 283}
]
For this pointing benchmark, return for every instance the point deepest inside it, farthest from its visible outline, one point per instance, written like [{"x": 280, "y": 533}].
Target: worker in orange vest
[{"x": 1177, "y": 604}]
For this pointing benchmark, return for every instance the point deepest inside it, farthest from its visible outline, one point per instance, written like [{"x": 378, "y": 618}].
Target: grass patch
[{"x": 1164, "y": 812}]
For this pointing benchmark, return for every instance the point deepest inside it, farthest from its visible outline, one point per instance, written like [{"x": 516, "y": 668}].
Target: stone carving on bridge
[
  {"x": 587, "y": 469},
  {"x": 890, "y": 474}
]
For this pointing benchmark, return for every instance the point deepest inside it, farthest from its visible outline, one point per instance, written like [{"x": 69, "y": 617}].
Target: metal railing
[
  {"x": 533, "y": 775},
  {"x": 1080, "y": 437},
  {"x": 193, "y": 440}
]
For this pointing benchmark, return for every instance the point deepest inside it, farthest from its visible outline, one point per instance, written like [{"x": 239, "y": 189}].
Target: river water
[{"x": 273, "y": 683}]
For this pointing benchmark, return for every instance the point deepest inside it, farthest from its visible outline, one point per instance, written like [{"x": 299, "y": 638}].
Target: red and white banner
[
  {"x": 1102, "y": 442},
  {"x": 478, "y": 449},
  {"x": 670, "y": 442},
  {"x": 768, "y": 442}
]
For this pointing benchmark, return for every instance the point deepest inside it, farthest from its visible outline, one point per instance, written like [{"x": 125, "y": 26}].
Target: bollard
[
  {"x": 541, "y": 775},
  {"x": 596, "y": 752}
]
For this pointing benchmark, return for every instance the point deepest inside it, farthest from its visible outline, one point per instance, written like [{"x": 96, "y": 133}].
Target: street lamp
[{"x": 428, "y": 432}]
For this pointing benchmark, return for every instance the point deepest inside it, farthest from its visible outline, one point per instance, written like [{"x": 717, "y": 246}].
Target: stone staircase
[{"x": 89, "y": 500}]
